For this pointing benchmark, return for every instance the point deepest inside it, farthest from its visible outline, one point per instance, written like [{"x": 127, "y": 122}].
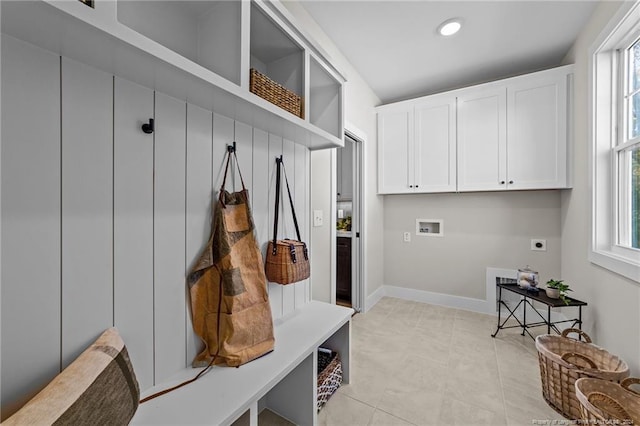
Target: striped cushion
[{"x": 98, "y": 388}]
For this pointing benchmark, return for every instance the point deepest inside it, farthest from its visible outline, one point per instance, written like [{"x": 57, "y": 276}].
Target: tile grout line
[{"x": 504, "y": 400}]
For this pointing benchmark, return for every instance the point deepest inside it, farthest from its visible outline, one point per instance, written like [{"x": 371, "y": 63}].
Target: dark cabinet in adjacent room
[{"x": 343, "y": 270}]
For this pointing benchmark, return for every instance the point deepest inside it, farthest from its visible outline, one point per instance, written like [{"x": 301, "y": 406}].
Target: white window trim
[{"x": 603, "y": 170}]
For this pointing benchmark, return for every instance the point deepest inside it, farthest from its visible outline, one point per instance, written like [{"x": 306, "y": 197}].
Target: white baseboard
[
  {"x": 458, "y": 302},
  {"x": 374, "y": 298},
  {"x": 448, "y": 300},
  {"x": 485, "y": 306}
]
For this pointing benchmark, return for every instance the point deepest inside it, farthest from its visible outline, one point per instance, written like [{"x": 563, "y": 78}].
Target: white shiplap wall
[{"x": 101, "y": 222}]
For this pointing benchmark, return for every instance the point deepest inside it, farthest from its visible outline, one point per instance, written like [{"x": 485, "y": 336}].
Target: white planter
[{"x": 553, "y": 293}]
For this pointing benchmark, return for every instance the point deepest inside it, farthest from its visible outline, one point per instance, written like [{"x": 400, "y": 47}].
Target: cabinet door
[
  {"x": 435, "y": 144},
  {"x": 537, "y": 131},
  {"x": 339, "y": 172},
  {"x": 343, "y": 269},
  {"x": 482, "y": 139},
  {"x": 345, "y": 174},
  {"x": 395, "y": 151}
]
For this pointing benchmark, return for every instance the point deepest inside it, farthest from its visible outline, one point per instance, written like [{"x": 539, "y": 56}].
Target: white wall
[
  {"x": 100, "y": 221},
  {"x": 480, "y": 229},
  {"x": 359, "y": 111},
  {"x": 613, "y": 314}
]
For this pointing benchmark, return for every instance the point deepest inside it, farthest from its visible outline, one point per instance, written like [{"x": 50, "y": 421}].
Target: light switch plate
[{"x": 317, "y": 218}]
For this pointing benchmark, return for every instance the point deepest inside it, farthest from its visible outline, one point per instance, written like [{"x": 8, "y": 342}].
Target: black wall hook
[
  {"x": 231, "y": 148},
  {"x": 148, "y": 127}
]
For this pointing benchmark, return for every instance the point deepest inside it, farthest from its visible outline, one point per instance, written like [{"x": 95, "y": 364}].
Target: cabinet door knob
[
  {"x": 416, "y": 186},
  {"x": 510, "y": 182},
  {"x": 410, "y": 186},
  {"x": 501, "y": 182}
]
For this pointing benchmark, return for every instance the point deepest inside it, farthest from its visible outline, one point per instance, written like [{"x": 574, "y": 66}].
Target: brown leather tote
[{"x": 229, "y": 301}]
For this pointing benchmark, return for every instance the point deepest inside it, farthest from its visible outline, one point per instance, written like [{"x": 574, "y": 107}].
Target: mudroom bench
[{"x": 283, "y": 381}]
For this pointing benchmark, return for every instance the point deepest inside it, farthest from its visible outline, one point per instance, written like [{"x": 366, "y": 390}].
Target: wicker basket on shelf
[
  {"x": 329, "y": 376},
  {"x": 564, "y": 360},
  {"x": 604, "y": 402},
  {"x": 277, "y": 94}
]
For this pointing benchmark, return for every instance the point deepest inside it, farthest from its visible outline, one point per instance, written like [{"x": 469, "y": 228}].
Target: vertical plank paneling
[
  {"x": 260, "y": 194},
  {"x": 133, "y": 225},
  {"x": 87, "y": 206},
  {"x": 308, "y": 216},
  {"x": 30, "y": 298},
  {"x": 223, "y": 129},
  {"x": 289, "y": 230},
  {"x": 199, "y": 192},
  {"x": 244, "y": 143},
  {"x": 302, "y": 213},
  {"x": 114, "y": 216},
  {"x": 169, "y": 236},
  {"x": 275, "y": 150}
]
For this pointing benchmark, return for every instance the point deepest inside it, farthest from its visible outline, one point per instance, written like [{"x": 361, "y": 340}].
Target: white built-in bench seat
[{"x": 283, "y": 381}]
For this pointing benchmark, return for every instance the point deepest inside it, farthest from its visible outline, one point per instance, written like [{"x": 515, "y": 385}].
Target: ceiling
[{"x": 394, "y": 46}]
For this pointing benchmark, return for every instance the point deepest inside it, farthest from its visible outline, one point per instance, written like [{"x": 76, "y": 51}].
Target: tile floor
[{"x": 420, "y": 364}]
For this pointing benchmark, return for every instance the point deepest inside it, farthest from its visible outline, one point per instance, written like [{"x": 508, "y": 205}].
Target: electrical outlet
[
  {"x": 407, "y": 237},
  {"x": 317, "y": 218},
  {"x": 538, "y": 245}
]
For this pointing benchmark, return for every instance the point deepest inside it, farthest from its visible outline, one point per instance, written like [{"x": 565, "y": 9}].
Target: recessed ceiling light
[{"x": 449, "y": 27}]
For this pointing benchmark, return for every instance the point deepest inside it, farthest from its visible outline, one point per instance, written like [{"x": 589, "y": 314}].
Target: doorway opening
[{"x": 349, "y": 222}]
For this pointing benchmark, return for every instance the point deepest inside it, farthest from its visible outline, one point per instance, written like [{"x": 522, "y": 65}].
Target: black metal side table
[{"x": 541, "y": 297}]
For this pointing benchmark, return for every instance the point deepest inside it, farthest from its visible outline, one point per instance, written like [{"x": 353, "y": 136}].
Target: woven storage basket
[
  {"x": 564, "y": 360},
  {"x": 279, "y": 268},
  {"x": 263, "y": 86},
  {"x": 604, "y": 402},
  {"x": 329, "y": 377}
]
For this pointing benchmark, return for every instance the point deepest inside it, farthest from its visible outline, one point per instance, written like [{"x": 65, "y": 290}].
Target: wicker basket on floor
[
  {"x": 604, "y": 402},
  {"x": 564, "y": 360},
  {"x": 277, "y": 94},
  {"x": 329, "y": 376}
]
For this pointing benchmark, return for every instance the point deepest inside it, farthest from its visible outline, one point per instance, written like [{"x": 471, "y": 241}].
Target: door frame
[{"x": 358, "y": 254}]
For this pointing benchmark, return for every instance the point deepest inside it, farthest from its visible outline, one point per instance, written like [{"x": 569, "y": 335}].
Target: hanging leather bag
[
  {"x": 229, "y": 301},
  {"x": 287, "y": 260}
]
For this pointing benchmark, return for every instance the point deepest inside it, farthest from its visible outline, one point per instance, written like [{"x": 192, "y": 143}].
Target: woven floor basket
[
  {"x": 329, "y": 380},
  {"x": 564, "y": 360},
  {"x": 263, "y": 86},
  {"x": 607, "y": 403}
]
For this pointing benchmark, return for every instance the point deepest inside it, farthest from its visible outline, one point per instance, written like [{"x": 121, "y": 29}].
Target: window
[
  {"x": 627, "y": 150},
  {"x": 615, "y": 165}
]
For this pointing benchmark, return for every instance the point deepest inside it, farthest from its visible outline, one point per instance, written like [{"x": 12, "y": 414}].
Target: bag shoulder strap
[
  {"x": 280, "y": 164},
  {"x": 230, "y": 150}
]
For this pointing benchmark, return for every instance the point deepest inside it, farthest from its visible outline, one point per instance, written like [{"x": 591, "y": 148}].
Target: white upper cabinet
[
  {"x": 435, "y": 144},
  {"x": 482, "y": 144},
  {"x": 200, "y": 52},
  {"x": 395, "y": 150},
  {"x": 537, "y": 131},
  {"x": 511, "y": 134},
  {"x": 417, "y": 146}
]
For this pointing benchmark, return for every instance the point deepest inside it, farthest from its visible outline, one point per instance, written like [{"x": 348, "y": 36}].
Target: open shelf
[
  {"x": 325, "y": 99},
  {"x": 206, "y": 32},
  {"x": 159, "y": 44},
  {"x": 275, "y": 54}
]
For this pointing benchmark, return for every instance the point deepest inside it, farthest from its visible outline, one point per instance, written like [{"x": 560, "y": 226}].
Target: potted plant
[{"x": 557, "y": 289}]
